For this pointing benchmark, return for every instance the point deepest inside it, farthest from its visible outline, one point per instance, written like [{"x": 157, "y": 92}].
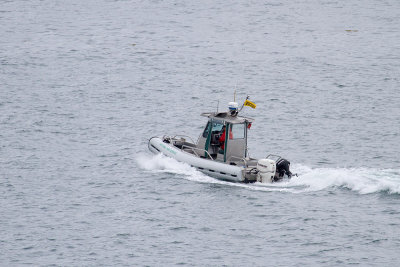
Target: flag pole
[{"x": 247, "y": 97}]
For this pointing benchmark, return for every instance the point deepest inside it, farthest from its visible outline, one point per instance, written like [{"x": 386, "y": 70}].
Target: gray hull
[{"x": 210, "y": 167}]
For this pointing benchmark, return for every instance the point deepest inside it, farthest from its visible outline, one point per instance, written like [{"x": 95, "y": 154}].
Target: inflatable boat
[{"x": 221, "y": 149}]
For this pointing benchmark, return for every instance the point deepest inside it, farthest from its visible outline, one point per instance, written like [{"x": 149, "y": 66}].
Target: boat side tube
[{"x": 207, "y": 166}]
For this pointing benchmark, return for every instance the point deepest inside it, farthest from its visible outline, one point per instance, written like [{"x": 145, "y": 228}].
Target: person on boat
[{"x": 222, "y": 138}]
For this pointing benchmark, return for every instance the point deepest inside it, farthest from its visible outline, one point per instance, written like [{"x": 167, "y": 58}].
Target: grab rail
[
  {"x": 244, "y": 160},
  {"x": 193, "y": 149},
  {"x": 181, "y": 135},
  {"x": 273, "y": 155}
]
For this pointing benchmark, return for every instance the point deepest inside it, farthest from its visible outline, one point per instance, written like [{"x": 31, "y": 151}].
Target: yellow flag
[{"x": 249, "y": 103}]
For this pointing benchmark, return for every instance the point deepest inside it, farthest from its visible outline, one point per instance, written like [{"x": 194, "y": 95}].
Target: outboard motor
[
  {"x": 266, "y": 170},
  {"x": 282, "y": 168}
]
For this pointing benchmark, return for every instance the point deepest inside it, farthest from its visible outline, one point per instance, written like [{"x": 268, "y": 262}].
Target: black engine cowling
[{"x": 282, "y": 168}]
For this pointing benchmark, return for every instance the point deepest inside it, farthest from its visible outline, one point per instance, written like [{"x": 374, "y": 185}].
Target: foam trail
[
  {"x": 361, "y": 180},
  {"x": 160, "y": 163}
]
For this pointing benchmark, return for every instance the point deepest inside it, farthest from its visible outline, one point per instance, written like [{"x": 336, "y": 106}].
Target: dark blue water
[{"x": 84, "y": 85}]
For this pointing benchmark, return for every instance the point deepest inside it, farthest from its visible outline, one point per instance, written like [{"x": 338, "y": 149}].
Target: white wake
[{"x": 360, "y": 180}]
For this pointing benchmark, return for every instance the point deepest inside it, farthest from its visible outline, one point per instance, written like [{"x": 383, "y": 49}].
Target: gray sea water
[{"x": 85, "y": 84}]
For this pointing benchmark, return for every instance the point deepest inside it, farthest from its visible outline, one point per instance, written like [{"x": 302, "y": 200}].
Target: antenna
[
  {"x": 217, "y": 105},
  {"x": 234, "y": 96}
]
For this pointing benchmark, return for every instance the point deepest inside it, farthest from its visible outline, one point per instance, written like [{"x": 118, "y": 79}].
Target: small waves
[{"x": 360, "y": 180}]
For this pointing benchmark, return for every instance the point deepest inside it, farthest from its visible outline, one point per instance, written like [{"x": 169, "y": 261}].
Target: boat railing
[
  {"x": 273, "y": 157},
  {"x": 240, "y": 159},
  {"x": 185, "y": 136},
  {"x": 193, "y": 149}
]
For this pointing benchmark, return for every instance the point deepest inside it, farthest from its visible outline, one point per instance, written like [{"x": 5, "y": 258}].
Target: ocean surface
[{"x": 85, "y": 84}]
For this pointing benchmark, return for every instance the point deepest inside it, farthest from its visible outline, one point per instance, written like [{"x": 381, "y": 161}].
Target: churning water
[{"x": 85, "y": 84}]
